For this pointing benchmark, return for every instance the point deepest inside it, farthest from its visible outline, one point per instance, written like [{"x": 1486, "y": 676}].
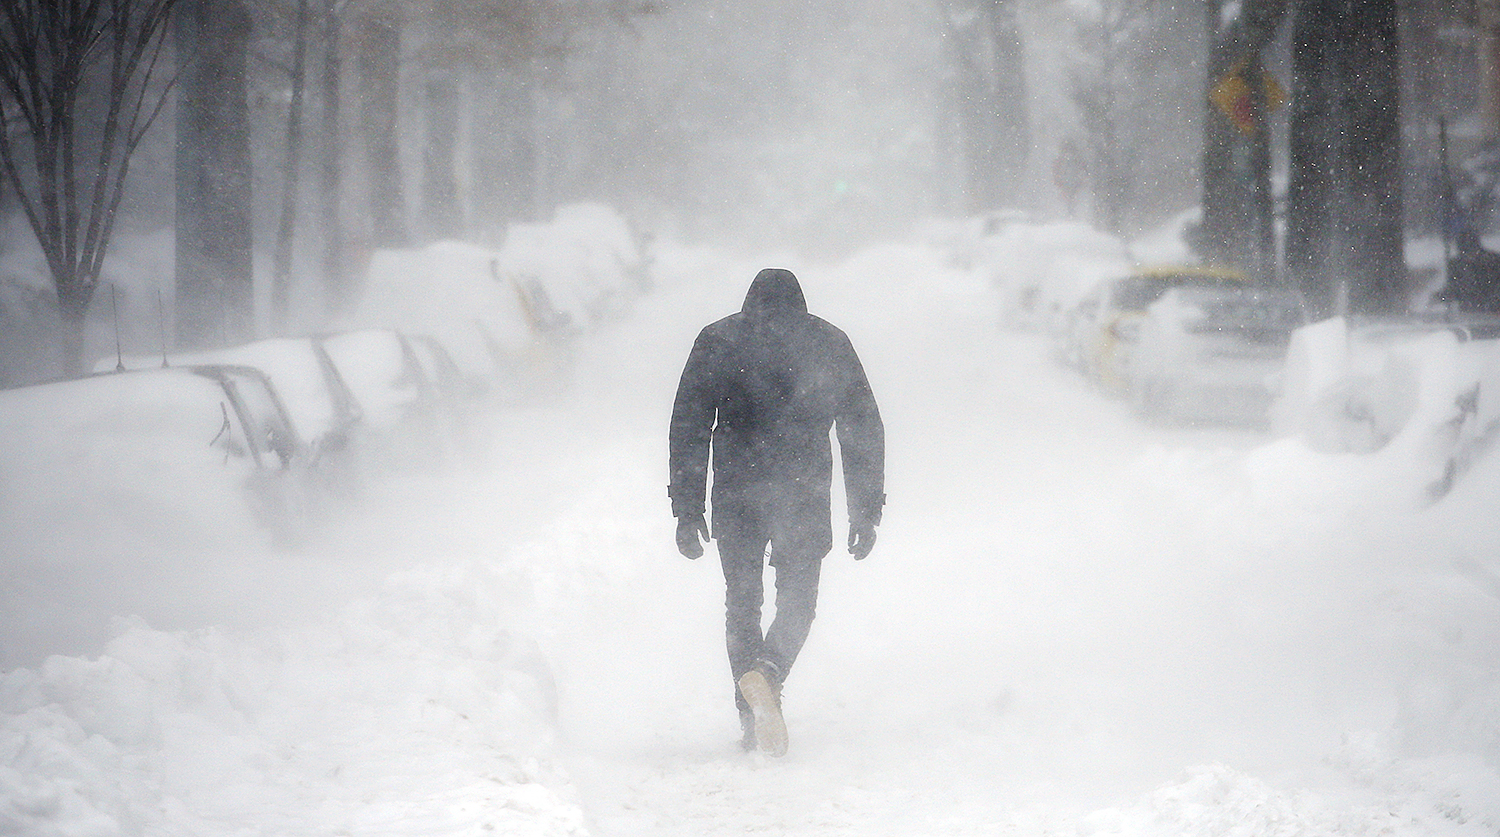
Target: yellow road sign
[{"x": 1232, "y": 96}]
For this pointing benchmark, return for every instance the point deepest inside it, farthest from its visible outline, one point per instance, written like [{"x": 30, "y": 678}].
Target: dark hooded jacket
[{"x": 764, "y": 386}]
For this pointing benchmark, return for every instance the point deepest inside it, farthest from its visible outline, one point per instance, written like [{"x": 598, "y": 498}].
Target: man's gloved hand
[
  {"x": 692, "y": 530},
  {"x": 861, "y": 539}
]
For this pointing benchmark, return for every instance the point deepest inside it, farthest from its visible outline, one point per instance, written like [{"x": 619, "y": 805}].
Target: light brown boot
[{"x": 764, "y": 697}]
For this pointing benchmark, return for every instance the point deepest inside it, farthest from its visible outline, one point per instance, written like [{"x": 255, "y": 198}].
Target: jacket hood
[{"x": 775, "y": 291}]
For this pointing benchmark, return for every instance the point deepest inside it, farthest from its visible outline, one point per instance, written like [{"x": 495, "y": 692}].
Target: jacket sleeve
[
  {"x": 861, "y": 435},
  {"x": 693, "y": 414}
]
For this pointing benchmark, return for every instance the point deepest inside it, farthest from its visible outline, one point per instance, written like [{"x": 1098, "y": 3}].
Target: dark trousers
[{"x": 797, "y": 531}]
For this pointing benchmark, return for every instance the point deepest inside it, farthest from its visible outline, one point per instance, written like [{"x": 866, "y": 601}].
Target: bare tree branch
[
  {"x": 51, "y": 53},
  {"x": 134, "y": 135}
]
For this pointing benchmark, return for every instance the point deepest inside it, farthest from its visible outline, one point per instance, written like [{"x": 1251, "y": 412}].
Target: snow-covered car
[
  {"x": 157, "y": 447},
  {"x": 1213, "y": 352},
  {"x": 263, "y": 418},
  {"x": 1355, "y": 384},
  {"x": 1104, "y": 326},
  {"x": 409, "y": 391},
  {"x": 385, "y": 375},
  {"x": 440, "y": 369},
  {"x": 312, "y": 390},
  {"x": 1039, "y": 269}
]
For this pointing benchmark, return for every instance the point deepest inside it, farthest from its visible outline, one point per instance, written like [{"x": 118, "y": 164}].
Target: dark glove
[
  {"x": 861, "y": 540},
  {"x": 691, "y": 531}
]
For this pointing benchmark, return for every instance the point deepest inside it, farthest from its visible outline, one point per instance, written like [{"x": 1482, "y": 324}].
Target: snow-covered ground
[{"x": 1072, "y": 624}]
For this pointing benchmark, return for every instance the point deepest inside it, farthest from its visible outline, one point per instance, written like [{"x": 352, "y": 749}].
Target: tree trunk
[
  {"x": 521, "y": 183},
  {"x": 975, "y": 127},
  {"x": 442, "y": 215},
  {"x": 1487, "y": 13},
  {"x": 214, "y": 242},
  {"x": 1220, "y": 192},
  {"x": 378, "y": 60},
  {"x": 1344, "y": 212},
  {"x": 1110, "y": 183},
  {"x": 291, "y": 181},
  {"x": 1259, "y": 256},
  {"x": 1312, "y": 133},
  {"x": 336, "y": 274},
  {"x": 1379, "y": 284},
  {"x": 503, "y": 156},
  {"x": 73, "y": 299},
  {"x": 1012, "y": 127}
]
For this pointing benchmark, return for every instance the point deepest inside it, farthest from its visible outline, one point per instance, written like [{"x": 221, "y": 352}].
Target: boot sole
[{"x": 770, "y": 727}]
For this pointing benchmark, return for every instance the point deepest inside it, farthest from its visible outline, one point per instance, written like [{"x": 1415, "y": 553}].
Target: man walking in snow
[{"x": 762, "y": 388}]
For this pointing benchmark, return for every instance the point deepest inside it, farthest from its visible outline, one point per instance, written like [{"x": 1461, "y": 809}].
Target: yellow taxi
[{"x": 1106, "y": 322}]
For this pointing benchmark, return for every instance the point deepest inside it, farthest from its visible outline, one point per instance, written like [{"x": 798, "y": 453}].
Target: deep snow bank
[
  {"x": 422, "y": 710},
  {"x": 1216, "y": 800}
]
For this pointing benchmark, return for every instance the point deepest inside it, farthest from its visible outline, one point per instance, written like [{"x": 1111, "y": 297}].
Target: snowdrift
[
  {"x": 1414, "y": 400},
  {"x": 426, "y": 689},
  {"x": 1039, "y": 269}
]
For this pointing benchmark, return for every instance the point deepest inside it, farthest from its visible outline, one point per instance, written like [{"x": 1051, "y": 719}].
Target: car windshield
[
  {"x": 1136, "y": 293},
  {"x": 1243, "y": 309}
]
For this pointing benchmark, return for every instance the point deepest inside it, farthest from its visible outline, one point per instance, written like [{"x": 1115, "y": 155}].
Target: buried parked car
[
  {"x": 411, "y": 394},
  {"x": 306, "y": 380},
  {"x": 1213, "y": 352},
  {"x": 385, "y": 375},
  {"x": 174, "y": 447},
  {"x": 1104, "y": 326},
  {"x": 1413, "y": 387}
]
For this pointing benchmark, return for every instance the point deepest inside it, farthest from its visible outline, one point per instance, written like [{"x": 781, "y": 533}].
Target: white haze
[{"x": 1071, "y": 624}]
